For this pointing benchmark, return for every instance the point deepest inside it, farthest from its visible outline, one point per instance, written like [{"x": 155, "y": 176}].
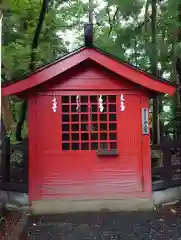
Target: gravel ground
[
  {"x": 11, "y": 218},
  {"x": 163, "y": 224}
]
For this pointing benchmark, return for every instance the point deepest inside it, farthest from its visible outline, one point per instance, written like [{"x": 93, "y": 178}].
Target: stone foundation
[
  {"x": 167, "y": 196},
  {"x": 19, "y": 201},
  {"x": 113, "y": 205}
]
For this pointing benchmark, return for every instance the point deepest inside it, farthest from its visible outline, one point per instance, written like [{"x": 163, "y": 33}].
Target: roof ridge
[{"x": 100, "y": 50}]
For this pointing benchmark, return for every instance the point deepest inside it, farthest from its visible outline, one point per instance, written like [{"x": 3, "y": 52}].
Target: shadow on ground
[{"x": 163, "y": 224}]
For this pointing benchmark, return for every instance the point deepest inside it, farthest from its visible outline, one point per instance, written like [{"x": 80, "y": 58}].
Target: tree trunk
[
  {"x": 32, "y": 66},
  {"x": 178, "y": 68},
  {"x": 146, "y": 15},
  {"x": 5, "y": 102},
  {"x": 1, "y": 17},
  {"x": 7, "y": 116},
  {"x": 154, "y": 62},
  {"x": 91, "y": 7}
]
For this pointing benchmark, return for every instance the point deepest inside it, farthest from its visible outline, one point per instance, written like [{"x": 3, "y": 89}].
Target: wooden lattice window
[{"x": 85, "y": 126}]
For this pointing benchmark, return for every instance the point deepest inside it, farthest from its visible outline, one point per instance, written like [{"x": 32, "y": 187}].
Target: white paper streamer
[
  {"x": 54, "y": 107},
  {"x": 122, "y": 103},
  {"x": 77, "y": 101},
  {"x": 101, "y": 105}
]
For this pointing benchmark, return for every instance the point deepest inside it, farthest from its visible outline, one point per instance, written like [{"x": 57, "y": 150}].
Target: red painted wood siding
[
  {"x": 82, "y": 174},
  {"x": 86, "y": 77},
  {"x": 91, "y": 77},
  {"x": 33, "y": 163},
  {"x": 131, "y": 137}
]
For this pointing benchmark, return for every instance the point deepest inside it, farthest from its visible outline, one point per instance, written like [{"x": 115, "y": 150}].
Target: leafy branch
[{"x": 111, "y": 20}]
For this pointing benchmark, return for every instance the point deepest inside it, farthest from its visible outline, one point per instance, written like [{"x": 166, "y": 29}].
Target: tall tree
[
  {"x": 120, "y": 27},
  {"x": 91, "y": 9},
  {"x": 32, "y": 65},
  {"x": 154, "y": 67},
  {"x": 178, "y": 68},
  {"x": 20, "y": 21},
  {"x": 1, "y": 16}
]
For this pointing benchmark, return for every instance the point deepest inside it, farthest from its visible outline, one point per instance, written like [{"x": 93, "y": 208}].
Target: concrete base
[
  {"x": 66, "y": 206},
  {"x": 167, "y": 196},
  {"x": 14, "y": 201},
  {"x": 20, "y": 199},
  {"x": 19, "y": 202},
  {"x": 1, "y": 210}
]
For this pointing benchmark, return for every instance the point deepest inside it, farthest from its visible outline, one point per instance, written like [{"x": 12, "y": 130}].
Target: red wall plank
[
  {"x": 75, "y": 174},
  {"x": 88, "y": 77},
  {"x": 33, "y": 166},
  {"x": 130, "y": 135},
  {"x": 83, "y": 174}
]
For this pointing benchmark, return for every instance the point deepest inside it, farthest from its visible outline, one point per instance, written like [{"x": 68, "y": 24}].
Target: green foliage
[
  {"x": 1, "y": 220},
  {"x": 20, "y": 21},
  {"x": 128, "y": 8},
  {"x": 121, "y": 27}
]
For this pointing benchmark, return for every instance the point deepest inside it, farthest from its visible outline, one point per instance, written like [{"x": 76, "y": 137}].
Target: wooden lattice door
[{"x": 89, "y": 123}]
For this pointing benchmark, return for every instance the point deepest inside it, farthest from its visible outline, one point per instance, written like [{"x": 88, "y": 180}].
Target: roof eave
[{"x": 48, "y": 72}]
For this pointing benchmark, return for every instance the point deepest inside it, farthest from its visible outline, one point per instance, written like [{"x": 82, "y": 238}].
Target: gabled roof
[{"x": 82, "y": 54}]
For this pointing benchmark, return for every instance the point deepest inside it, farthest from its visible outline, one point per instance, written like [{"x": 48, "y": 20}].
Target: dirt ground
[
  {"x": 9, "y": 220},
  {"x": 163, "y": 223}
]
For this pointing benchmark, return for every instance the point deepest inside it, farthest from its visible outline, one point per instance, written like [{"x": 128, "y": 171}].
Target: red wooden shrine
[{"x": 88, "y": 128}]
